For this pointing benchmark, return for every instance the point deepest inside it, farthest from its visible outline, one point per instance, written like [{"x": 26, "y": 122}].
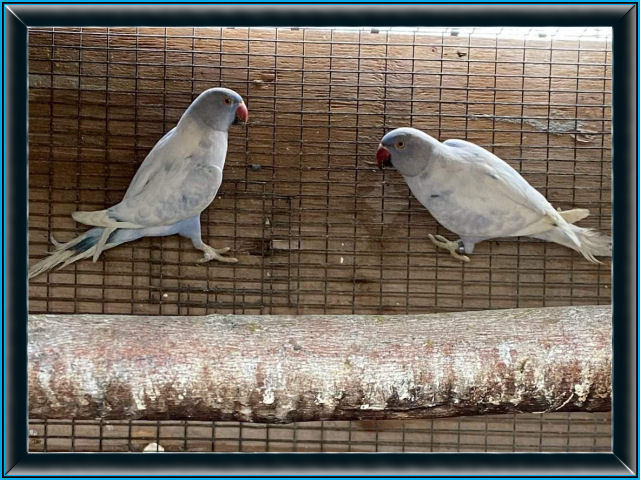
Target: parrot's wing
[
  {"x": 181, "y": 192},
  {"x": 168, "y": 195},
  {"x": 508, "y": 182},
  {"x": 506, "y": 185},
  {"x": 154, "y": 162}
]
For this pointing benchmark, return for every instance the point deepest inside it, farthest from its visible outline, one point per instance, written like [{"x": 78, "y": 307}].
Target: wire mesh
[
  {"x": 315, "y": 226},
  {"x": 557, "y": 432}
]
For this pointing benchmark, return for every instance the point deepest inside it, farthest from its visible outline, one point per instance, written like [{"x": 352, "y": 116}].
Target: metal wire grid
[
  {"x": 574, "y": 33},
  {"x": 316, "y": 228},
  {"x": 574, "y": 432}
]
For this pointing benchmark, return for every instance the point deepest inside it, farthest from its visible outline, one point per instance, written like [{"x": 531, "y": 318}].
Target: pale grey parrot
[
  {"x": 177, "y": 180},
  {"x": 478, "y": 196}
]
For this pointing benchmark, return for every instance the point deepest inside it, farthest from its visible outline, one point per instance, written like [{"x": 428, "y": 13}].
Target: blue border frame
[{"x": 621, "y": 16}]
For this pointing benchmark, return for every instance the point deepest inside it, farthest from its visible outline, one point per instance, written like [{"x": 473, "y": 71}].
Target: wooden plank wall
[
  {"x": 315, "y": 226},
  {"x": 549, "y": 432}
]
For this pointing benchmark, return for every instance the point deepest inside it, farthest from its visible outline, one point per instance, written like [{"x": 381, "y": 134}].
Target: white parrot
[
  {"x": 177, "y": 180},
  {"x": 478, "y": 196}
]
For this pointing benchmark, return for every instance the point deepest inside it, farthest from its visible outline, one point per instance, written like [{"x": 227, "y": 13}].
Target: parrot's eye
[
  {"x": 227, "y": 101},
  {"x": 400, "y": 145}
]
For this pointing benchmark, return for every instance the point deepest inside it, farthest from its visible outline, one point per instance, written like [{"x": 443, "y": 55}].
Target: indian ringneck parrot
[
  {"x": 177, "y": 180},
  {"x": 478, "y": 196}
]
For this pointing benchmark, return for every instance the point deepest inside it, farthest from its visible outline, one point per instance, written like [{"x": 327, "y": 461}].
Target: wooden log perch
[{"x": 295, "y": 368}]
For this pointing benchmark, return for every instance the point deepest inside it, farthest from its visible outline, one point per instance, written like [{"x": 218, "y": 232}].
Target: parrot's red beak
[
  {"x": 383, "y": 157},
  {"x": 242, "y": 114}
]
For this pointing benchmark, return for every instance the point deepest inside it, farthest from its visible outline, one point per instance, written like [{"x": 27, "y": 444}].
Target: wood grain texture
[
  {"x": 316, "y": 226},
  {"x": 280, "y": 369}
]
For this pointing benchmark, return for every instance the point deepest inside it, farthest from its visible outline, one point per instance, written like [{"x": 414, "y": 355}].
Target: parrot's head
[
  {"x": 219, "y": 108},
  {"x": 406, "y": 149}
]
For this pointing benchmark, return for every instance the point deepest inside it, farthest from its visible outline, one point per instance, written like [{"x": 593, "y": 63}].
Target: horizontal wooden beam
[{"x": 295, "y": 368}]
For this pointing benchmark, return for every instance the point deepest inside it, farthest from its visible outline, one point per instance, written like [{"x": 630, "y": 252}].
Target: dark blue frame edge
[{"x": 622, "y": 462}]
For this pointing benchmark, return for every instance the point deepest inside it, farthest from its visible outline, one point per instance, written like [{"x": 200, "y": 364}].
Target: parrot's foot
[
  {"x": 213, "y": 254},
  {"x": 455, "y": 247}
]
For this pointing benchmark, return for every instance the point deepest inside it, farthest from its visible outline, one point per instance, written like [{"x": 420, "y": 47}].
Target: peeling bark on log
[{"x": 294, "y": 368}]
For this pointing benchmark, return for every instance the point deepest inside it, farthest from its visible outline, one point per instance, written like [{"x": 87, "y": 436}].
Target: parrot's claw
[
  {"x": 455, "y": 248},
  {"x": 213, "y": 254}
]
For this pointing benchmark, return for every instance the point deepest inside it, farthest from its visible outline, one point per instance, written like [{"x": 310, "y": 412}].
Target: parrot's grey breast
[{"x": 207, "y": 144}]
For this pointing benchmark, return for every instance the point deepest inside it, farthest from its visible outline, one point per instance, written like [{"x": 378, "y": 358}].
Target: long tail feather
[
  {"x": 100, "y": 246},
  {"x": 56, "y": 244},
  {"x": 591, "y": 243},
  {"x": 101, "y": 218},
  {"x": 93, "y": 242},
  {"x": 65, "y": 253},
  {"x": 574, "y": 215}
]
